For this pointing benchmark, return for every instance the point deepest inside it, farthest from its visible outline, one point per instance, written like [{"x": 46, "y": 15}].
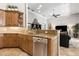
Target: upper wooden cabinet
[
  {"x": 11, "y": 18},
  {"x": 2, "y": 18}
]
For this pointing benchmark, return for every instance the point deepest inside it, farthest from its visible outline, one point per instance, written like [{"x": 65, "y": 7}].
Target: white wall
[
  {"x": 3, "y": 5},
  {"x": 21, "y": 7},
  {"x": 74, "y": 8}
]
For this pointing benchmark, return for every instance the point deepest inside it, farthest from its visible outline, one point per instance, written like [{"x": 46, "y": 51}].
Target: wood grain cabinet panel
[
  {"x": 52, "y": 47},
  {"x": 26, "y": 43},
  {"x": 2, "y": 18},
  {"x": 30, "y": 45},
  {"x": 20, "y": 41},
  {"x": 23, "y": 42},
  {"x": 11, "y": 18},
  {"x": 10, "y": 40},
  {"x": 1, "y": 40}
]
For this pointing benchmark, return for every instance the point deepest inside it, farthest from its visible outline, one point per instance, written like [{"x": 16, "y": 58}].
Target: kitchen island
[{"x": 18, "y": 37}]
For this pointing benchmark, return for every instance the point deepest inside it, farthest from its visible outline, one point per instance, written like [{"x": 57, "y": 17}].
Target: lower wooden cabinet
[
  {"x": 10, "y": 40},
  {"x": 52, "y": 47},
  {"x": 26, "y": 43},
  {"x": 30, "y": 44},
  {"x": 22, "y": 42},
  {"x": 1, "y": 40}
]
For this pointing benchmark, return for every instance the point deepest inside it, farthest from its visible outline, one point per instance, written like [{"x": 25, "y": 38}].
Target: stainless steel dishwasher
[{"x": 39, "y": 46}]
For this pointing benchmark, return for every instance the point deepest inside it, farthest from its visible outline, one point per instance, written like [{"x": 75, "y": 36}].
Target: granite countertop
[
  {"x": 24, "y": 31},
  {"x": 45, "y": 36}
]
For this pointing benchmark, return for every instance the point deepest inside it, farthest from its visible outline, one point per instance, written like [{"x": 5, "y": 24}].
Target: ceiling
[
  {"x": 43, "y": 8},
  {"x": 46, "y": 9}
]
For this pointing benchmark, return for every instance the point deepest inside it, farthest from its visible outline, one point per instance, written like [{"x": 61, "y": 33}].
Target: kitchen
[{"x": 17, "y": 32}]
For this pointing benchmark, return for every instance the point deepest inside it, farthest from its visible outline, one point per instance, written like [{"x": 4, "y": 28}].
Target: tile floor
[
  {"x": 69, "y": 51},
  {"x": 12, "y": 52}
]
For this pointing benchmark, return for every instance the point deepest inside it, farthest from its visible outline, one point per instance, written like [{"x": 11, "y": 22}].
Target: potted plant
[
  {"x": 76, "y": 30},
  {"x": 9, "y": 7},
  {"x": 15, "y": 8}
]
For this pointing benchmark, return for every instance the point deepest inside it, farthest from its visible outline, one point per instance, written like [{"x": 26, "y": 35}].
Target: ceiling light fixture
[
  {"x": 39, "y": 6},
  {"x": 39, "y": 11}
]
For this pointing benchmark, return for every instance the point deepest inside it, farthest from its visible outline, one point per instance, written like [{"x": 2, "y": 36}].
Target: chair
[{"x": 64, "y": 40}]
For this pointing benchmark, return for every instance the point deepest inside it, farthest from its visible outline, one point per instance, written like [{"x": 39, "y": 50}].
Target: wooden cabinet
[
  {"x": 30, "y": 45},
  {"x": 52, "y": 47},
  {"x": 2, "y": 18},
  {"x": 10, "y": 40},
  {"x": 22, "y": 42},
  {"x": 26, "y": 43},
  {"x": 1, "y": 40},
  {"x": 11, "y": 18}
]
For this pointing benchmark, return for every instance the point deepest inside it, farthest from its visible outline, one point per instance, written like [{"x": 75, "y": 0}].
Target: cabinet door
[
  {"x": 2, "y": 18},
  {"x": 11, "y": 18},
  {"x": 10, "y": 40},
  {"x": 52, "y": 47},
  {"x": 15, "y": 16},
  {"x": 8, "y": 18},
  {"x": 6, "y": 41},
  {"x": 20, "y": 40},
  {"x": 30, "y": 45},
  {"x": 23, "y": 42},
  {"x": 26, "y": 43},
  {"x": 1, "y": 40}
]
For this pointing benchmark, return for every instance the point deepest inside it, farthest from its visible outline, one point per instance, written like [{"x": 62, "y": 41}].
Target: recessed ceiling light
[
  {"x": 39, "y": 6},
  {"x": 39, "y": 11}
]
